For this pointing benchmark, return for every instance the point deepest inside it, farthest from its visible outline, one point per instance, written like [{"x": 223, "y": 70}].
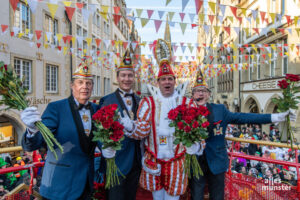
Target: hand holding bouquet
[
  {"x": 110, "y": 134},
  {"x": 190, "y": 127},
  {"x": 13, "y": 96},
  {"x": 289, "y": 100}
]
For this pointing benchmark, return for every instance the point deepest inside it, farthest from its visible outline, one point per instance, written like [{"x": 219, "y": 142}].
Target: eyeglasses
[{"x": 201, "y": 91}]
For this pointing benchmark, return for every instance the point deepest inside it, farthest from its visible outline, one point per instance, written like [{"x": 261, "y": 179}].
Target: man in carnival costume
[
  {"x": 214, "y": 160},
  {"x": 128, "y": 159},
  {"x": 163, "y": 162},
  {"x": 70, "y": 177}
]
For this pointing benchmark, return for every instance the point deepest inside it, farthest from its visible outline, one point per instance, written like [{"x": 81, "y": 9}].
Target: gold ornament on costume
[
  {"x": 82, "y": 70},
  {"x": 126, "y": 63},
  {"x": 200, "y": 80}
]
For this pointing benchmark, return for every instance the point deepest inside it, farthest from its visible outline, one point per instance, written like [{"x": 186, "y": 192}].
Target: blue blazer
[
  {"x": 219, "y": 117},
  {"x": 65, "y": 178},
  {"x": 130, "y": 147}
]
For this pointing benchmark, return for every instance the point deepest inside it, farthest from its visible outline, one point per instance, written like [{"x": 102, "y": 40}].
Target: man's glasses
[{"x": 201, "y": 91}]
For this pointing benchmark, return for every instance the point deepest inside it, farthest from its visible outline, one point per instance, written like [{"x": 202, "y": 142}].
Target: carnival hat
[
  {"x": 126, "y": 63},
  {"x": 163, "y": 55},
  {"x": 200, "y": 81},
  {"x": 83, "y": 70}
]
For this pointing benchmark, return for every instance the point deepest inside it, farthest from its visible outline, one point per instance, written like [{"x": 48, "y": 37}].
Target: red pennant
[
  {"x": 246, "y": 57},
  {"x": 117, "y": 10},
  {"x": 233, "y": 10},
  {"x": 38, "y": 45},
  {"x": 113, "y": 42},
  {"x": 97, "y": 42},
  {"x": 228, "y": 57},
  {"x": 65, "y": 38},
  {"x": 280, "y": 54},
  {"x": 204, "y": 44},
  {"x": 4, "y": 27},
  {"x": 98, "y": 53},
  {"x": 211, "y": 18},
  {"x": 150, "y": 12},
  {"x": 125, "y": 45},
  {"x": 137, "y": 56},
  {"x": 262, "y": 49},
  {"x": 242, "y": 50},
  {"x": 266, "y": 45},
  {"x": 157, "y": 24},
  {"x": 240, "y": 20},
  {"x": 69, "y": 38},
  {"x": 281, "y": 30},
  {"x": 194, "y": 25},
  {"x": 70, "y": 12},
  {"x": 225, "y": 45},
  {"x": 12, "y": 34},
  {"x": 14, "y": 4},
  {"x": 264, "y": 56},
  {"x": 79, "y": 5},
  {"x": 211, "y": 57},
  {"x": 227, "y": 29},
  {"x": 38, "y": 34},
  {"x": 118, "y": 54},
  {"x": 286, "y": 45},
  {"x": 198, "y": 5},
  {"x": 256, "y": 30},
  {"x": 117, "y": 18},
  {"x": 288, "y": 19},
  {"x": 59, "y": 48},
  {"x": 199, "y": 49},
  {"x": 280, "y": 48},
  {"x": 262, "y": 15},
  {"x": 181, "y": 16},
  {"x": 246, "y": 45}
]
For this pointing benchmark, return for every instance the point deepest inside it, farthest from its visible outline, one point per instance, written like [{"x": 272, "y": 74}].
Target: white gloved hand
[
  {"x": 127, "y": 122},
  {"x": 193, "y": 149},
  {"x": 108, "y": 152},
  {"x": 29, "y": 116},
  {"x": 281, "y": 117},
  {"x": 202, "y": 147}
]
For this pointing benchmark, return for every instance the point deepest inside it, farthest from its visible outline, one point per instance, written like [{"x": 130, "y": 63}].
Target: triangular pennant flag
[
  {"x": 88, "y": 40},
  {"x": 150, "y": 13},
  {"x": 4, "y": 27},
  {"x": 116, "y": 10},
  {"x": 279, "y": 17},
  {"x": 198, "y": 5},
  {"x": 227, "y": 29},
  {"x": 174, "y": 48},
  {"x": 256, "y": 30},
  {"x": 38, "y": 45},
  {"x": 237, "y": 30},
  {"x": 172, "y": 24},
  {"x": 191, "y": 48},
  {"x": 254, "y": 14},
  {"x": 14, "y": 4},
  {"x": 168, "y": 1},
  {"x": 244, "y": 11},
  {"x": 67, "y": 3},
  {"x": 272, "y": 15},
  {"x": 133, "y": 44},
  {"x": 222, "y": 8},
  {"x": 144, "y": 21},
  {"x": 157, "y": 24},
  {"x": 192, "y": 16},
  {"x": 183, "y": 27},
  {"x": 139, "y": 12},
  {"x": 125, "y": 45},
  {"x": 52, "y": 9},
  {"x": 106, "y": 43},
  {"x": 240, "y": 19},
  {"x": 212, "y": 6},
  {"x": 217, "y": 28},
  {"x": 161, "y": 13},
  {"x": 288, "y": 19},
  {"x": 104, "y": 11},
  {"x": 38, "y": 34},
  {"x": 184, "y": 3},
  {"x": 98, "y": 42},
  {"x": 230, "y": 18},
  {"x": 128, "y": 10},
  {"x": 289, "y": 30},
  {"x": 171, "y": 15},
  {"x": 30, "y": 36},
  {"x": 248, "y": 19},
  {"x": 181, "y": 16},
  {"x": 221, "y": 18},
  {"x": 206, "y": 28},
  {"x": 233, "y": 10},
  {"x": 117, "y": 18},
  {"x": 262, "y": 15},
  {"x": 79, "y": 5},
  {"x": 183, "y": 48},
  {"x": 211, "y": 18},
  {"x": 32, "y": 5},
  {"x": 281, "y": 30},
  {"x": 296, "y": 20},
  {"x": 70, "y": 12}
]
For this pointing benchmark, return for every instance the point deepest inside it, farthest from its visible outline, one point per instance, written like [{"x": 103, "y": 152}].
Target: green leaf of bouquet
[
  {"x": 172, "y": 124},
  {"x": 176, "y": 141}
]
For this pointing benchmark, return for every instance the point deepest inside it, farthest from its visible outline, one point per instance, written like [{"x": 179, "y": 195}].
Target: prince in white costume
[{"x": 163, "y": 162}]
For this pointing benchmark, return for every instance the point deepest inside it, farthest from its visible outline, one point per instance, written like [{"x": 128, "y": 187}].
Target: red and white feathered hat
[{"x": 163, "y": 55}]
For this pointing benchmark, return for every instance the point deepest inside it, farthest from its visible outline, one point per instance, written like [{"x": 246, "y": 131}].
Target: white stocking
[
  {"x": 158, "y": 195},
  {"x": 169, "y": 197}
]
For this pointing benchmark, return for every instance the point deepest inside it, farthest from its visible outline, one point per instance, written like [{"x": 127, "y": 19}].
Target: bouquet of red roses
[
  {"x": 289, "y": 100},
  {"x": 190, "y": 126},
  {"x": 110, "y": 134}
]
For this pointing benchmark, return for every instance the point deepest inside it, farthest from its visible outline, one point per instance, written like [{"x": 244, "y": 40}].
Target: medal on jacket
[
  {"x": 218, "y": 128},
  {"x": 128, "y": 101},
  {"x": 85, "y": 118},
  {"x": 131, "y": 115}
]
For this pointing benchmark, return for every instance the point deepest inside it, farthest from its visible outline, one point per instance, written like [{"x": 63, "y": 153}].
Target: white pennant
[
  {"x": 161, "y": 13},
  {"x": 222, "y": 7},
  {"x": 254, "y": 14},
  {"x": 192, "y": 16},
  {"x": 237, "y": 30}
]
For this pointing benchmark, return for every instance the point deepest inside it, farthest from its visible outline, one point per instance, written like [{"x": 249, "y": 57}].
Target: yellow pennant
[
  {"x": 84, "y": 51},
  {"x": 230, "y": 18},
  {"x": 217, "y": 29},
  {"x": 46, "y": 46},
  {"x": 46, "y": 38},
  {"x": 273, "y": 30},
  {"x": 201, "y": 17},
  {"x": 286, "y": 53},
  {"x": 234, "y": 58},
  {"x": 73, "y": 40},
  {"x": 296, "y": 20},
  {"x": 59, "y": 36},
  {"x": 297, "y": 30},
  {"x": 104, "y": 52},
  {"x": 252, "y": 56},
  {"x": 292, "y": 47},
  {"x": 212, "y": 6},
  {"x": 247, "y": 31},
  {"x": 273, "y": 47},
  {"x": 52, "y": 9},
  {"x": 65, "y": 50},
  {"x": 257, "y": 21},
  {"x": 67, "y": 3},
  {"x": 273, "y": 15},
  {"x": 244, "y": 11},
  {"x": 88, "y": 40},
  {"x": 144, "y": 21},
  {"x": 270, "y": 55},
  {"x": 27, "y": 31},
  {"x": 20, "y": 35},
  {"x": 104, "y": 11},
  {"x": 26, "y": 2}
]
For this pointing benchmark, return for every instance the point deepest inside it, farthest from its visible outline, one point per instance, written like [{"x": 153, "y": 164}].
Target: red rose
[
  {"x": 187, "y": 129},
  {"x": 172, "y": 115},
  {"x": 205, "y": 124},
  {"x": 114, "y": 107},
  {"x": 117, "y": 126},
  {"x": 138, "y": 93},
  {"x": 107, "y": 124},
  {"x": 283, "y": 84},
  {"x": 188, "y": 119},
  {"x": 180, "y": 125},
  {"x": 292, "y": 77},
  {"x": 195, "y": 124},
  {"x": 203, "y": 111}
]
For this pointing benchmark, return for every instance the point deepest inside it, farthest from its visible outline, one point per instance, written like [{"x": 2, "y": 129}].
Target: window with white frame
[
  {"x": 23, "y": 70},
  {"x": 51, "y": 78},
  {"x": 273, "y": 63},
  {"x": 284, "y": 58},
  {"x": 96, "y": 20},
  {"x": 51, "y": 27},
  {"x": 106, "y": 86},
  {"x": 23, "y": 18},
  {"x": 258, "y": 67}
]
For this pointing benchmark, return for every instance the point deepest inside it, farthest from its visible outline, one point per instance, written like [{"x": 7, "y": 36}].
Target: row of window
[{"x": 23, "y": 70}]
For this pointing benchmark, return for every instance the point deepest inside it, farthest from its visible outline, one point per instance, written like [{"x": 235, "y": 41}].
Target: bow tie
[
  {"x": 129, "y": 95},
  {"x": 81, "y": 106}
]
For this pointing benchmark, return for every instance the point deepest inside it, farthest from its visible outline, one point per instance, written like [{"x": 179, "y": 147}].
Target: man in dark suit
[
  {"x": 128, "y": 159},
  {"x": 70, "y": 177},
  {"x": 214, "y": 161}
]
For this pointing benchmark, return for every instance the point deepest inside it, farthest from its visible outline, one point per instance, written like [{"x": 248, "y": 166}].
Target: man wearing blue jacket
[
  {"x": 214, "y": 160},
  {"x": 70, "y": 177},
  {"x": 128, "y": 159}
]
